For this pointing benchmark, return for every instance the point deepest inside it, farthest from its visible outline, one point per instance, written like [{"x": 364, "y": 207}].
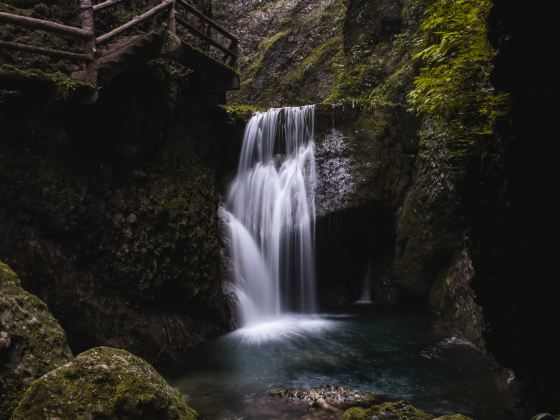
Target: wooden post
[
  {"x": 86, "y": 9},
  {"x": 172, "y": 20}
]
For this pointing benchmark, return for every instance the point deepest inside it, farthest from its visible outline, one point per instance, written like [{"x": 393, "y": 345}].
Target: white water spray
[{"x": 271, "y": 216}]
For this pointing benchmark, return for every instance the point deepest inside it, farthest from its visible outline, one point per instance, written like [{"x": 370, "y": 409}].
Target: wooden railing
[
  {"x": 48, "y": 26},
  {"x": 184, "y": 11},
  {"x": 182, "y": 19}
]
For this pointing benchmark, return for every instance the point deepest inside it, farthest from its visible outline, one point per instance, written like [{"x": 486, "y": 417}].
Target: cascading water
[{"x": 271, "y": 216}]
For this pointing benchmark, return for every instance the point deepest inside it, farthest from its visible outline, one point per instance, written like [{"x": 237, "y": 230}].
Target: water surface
[{"x": 395, "y": 352}]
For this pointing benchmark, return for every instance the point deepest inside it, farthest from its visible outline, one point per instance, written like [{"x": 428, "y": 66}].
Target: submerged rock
[
  {"x": 353, "y": 404},
  {"x": 31, "y": 340},
  {"x": 331, "y": 397},
  {"x": 103, "y": 383}
]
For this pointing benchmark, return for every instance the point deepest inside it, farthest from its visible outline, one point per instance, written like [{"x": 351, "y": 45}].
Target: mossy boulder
[
  {"x": 31, "y": 340},
  {"x": 103, "y": 383},
  {"x": 400, "y": 410}
]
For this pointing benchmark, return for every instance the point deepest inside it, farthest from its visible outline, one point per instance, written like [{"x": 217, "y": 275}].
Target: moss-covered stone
[
  {"x": 103, "y": 383},
  {"x": 242, "y": 112},
  {"x": 31, "y": 340},
  {"x": 400, "y": 410}
]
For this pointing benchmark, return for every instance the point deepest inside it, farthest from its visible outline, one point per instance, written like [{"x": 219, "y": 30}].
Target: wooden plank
[
  {"x": 44, "y": 25},
  {"x": 206, "y": 19},
  {"x": 135, "y": 21},
  {"x": 105, "y": 4},
  {"x": 202, "y": 35},
  {"x": 46, "y": 51}
]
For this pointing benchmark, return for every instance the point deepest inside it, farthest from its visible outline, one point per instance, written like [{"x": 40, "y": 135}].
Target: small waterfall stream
[{"x": 270, "y": 214}]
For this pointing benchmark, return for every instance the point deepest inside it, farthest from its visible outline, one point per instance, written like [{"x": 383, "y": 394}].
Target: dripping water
[{"x": 365, "y": 297}]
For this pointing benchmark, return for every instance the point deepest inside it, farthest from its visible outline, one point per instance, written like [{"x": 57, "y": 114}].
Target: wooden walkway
[{"x": 172, "y": 28}]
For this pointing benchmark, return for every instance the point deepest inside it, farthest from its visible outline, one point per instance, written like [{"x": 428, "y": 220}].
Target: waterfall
[
  {"x": 365, "y": 298},
  {"x": 270, "y": 215}
]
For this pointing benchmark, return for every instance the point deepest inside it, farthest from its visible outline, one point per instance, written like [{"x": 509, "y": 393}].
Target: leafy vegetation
[
  {"x": 453, "y": 86},
  {"x": 378, "y": 68}
]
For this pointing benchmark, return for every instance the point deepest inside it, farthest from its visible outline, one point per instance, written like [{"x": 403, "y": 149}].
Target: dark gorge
[{"x": 278, "y": 209}]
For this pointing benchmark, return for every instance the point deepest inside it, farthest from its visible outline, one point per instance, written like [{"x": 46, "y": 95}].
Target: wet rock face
[
  {"x": 335, "y": 178},
  {"x": 453, "y": 298},
  {"x": 103, "y": 383},
  {"x": 364, "y": 165},
  {"x": 369, "y": 23},
  {"x": 363, "y": 156},
  {"x": 124, "y": 247},
  {"x": 31, "y": 340},
  {"x": 287, "y": 47}
]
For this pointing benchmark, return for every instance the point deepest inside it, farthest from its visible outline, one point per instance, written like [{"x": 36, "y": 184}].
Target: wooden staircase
[
  {"x": 199, "y": 44},
  {"x": 122, "y": 54}
]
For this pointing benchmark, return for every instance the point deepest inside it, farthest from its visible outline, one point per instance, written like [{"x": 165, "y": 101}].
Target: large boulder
[
  {"x": 31, "y": 340},
  {"x": 103, "y": 383}
]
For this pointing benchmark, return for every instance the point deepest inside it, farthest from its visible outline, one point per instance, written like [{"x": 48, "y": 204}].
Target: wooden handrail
[
  {"x": 46, "y": 51},
  {"x": 45, "y": 25},
  {"x": 135, "y": 21},
  {"x": 201, "y": 34},
  {"x": 89, "y": 54},
  {"x": 105, "y": 4},
  {"x": 206, "y": 19}
]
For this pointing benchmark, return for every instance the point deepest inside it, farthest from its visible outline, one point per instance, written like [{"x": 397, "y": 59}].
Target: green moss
[
  {"x": 30, "y": 335},
  {"x": 319, "y": 57},
  {"x": 242, "y": 112},
  {"x": 453, "y": 85},
  {"x": 103, "y": 383},
  {"x": 380, "y": 73},
  {"x": 399, "y": 410},
  {"x": 264, "y": 47},
  {"x": 357, "y": 413}
]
